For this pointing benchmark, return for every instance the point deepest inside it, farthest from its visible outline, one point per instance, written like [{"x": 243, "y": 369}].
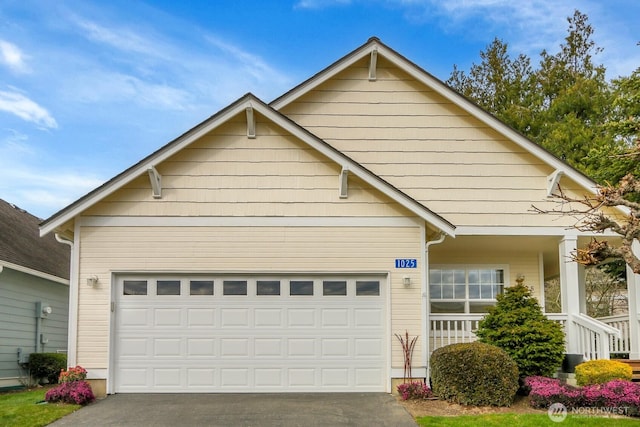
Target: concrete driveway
[{"x": 286, "y": 409}]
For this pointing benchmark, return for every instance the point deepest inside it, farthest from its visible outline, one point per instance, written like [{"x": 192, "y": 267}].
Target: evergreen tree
[{"x": 517, "y": 325}]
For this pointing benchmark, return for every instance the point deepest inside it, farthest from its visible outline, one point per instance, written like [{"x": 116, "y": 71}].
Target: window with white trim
[{"x": 465, "y": 289}]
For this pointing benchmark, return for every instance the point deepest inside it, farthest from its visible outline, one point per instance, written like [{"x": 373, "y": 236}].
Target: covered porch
[{"x": 458, "y": 295}]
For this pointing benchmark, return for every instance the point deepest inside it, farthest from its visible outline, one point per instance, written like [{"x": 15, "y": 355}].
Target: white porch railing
[
  {"x": 592, "y": 337},
  {"x": 452, "y": 328},
  {"x": 622, "y": 344}
]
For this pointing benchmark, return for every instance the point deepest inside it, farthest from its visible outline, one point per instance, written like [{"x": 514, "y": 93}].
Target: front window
[{"x": 464, "y": 289}]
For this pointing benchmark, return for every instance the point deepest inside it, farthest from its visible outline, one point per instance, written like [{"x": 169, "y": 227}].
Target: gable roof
[
  {"x": 239, "y": 106},
  {"x": 375, "y": 45},
  {"x": 22, "y": 248}
]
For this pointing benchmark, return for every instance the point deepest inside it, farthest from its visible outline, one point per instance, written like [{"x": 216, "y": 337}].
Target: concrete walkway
[{"x": 260, "y": 410}]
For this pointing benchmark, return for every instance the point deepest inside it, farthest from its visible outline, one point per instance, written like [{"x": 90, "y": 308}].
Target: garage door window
[
  {"x": 168, "y": 287},
  {"x": 234, "y": 287},
  {"x": 134, "y": 287},
  {"x": 338, "y": 288},
  {"x": 367, "y": 288},
  {"x": 201, "y": 287},
  {"x": 268, "y": 287},
  {"x": 301, "y": 287}
]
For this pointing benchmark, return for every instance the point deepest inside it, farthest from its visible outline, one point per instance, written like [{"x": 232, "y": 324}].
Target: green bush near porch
[
  {"x": 474, "y": 374},
  {"x": 517, "y": 325}
]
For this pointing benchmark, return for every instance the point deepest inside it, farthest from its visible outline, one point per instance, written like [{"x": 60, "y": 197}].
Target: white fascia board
[
  {"x": 33, "y": 272},
  {"x": 325, "y": 75},
  {"x": 528, "y": 231},
  {"x": 142, "y": 167},
  {"x": 248, "y": 221}
]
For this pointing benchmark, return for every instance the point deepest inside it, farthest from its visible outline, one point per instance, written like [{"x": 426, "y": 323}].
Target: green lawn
[
  {"x": 21, "y": 409},
  {"x": 524, "y": 420}
]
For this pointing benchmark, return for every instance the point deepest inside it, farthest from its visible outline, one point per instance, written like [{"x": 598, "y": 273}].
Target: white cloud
[
  {"x": 12, "y": 57},
  {"x": 319, "y": 4},
  {"x": 105, "y": 86},
  {"x": 121, "y": 38},
  {"x": 18, "y": 104}
]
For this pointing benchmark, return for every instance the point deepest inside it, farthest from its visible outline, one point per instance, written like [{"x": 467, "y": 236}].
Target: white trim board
[
  {"x": 32, "y": 272},
  {"x": 527, "y": 231},
  {"x": 178, "y": 221}
]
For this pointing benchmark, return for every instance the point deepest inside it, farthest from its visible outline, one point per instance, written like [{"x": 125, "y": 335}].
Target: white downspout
[
  {"x": 425, "y": 302},
  {"x": 73, "y": 302}
]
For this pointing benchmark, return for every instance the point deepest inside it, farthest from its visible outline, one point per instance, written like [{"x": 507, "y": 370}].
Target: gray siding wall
[{"x": 19, "y": 293}]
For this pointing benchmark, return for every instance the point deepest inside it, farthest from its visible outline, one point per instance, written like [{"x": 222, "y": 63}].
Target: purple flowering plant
[
  {"x": 616, "y": 393},
  {"x": 415, "y": 390},
  {"x": 72, "y": 388}
]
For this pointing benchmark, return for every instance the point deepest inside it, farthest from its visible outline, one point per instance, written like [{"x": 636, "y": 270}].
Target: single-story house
[
  {"x": 280, "y": 247},
  {"x": 34, "y": 293}
]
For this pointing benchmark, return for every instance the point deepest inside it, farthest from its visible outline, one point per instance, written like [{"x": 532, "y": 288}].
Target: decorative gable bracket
[
  {"x": 553, "y": 182},
  {"x": 251, "y": 123},
  {"x": 156, "y": 182},
  {"x": 373, "y": 63},
  {"x": 344, "y": 183}
]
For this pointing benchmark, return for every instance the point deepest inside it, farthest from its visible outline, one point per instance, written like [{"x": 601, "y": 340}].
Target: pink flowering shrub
[
  {"x": 546, "y": 391},
  {"x": 78, "y": 392},
  {"x": 616, "y": 393},
  {"x": 72, "y": 388},
  {"x": 72, "y": 374},
  {"x": 415, "y": 390}
]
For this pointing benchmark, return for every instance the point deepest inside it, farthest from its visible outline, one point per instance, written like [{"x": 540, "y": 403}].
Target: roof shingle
[{"x": 21, "y": 244}]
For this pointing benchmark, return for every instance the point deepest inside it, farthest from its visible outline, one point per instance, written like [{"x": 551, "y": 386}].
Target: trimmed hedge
[
  {"x": 47, "y": 365},
  {"x": 602, "y": 371},
  {"x": 474, "y": 374}
]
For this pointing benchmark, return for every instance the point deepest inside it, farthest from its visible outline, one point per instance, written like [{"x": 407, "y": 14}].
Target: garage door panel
[
  {"x": 335, "y": 317},
  {"x": 197, "y": 347},
  {"x": 234, "y": 347},
  {"x": 268, "y": 317},
  {"x": 235, "y": 317},
  {"x": 203, "y": 378},
  {"x": 201, "y": 317},
  {"x": 268, "y": 347},
  {"x": 301, "y": 317},
  {"x": 167, "y": 317},
  {"x": 368, "y": 317},
  {"x": 270, "y": 343}
]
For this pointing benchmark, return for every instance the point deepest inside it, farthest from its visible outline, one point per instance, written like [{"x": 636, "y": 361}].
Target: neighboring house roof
[
  {"x": 22, "y": 247},
  {"x": 247, "y": 101},
  {"x": 375, "y": 46}
]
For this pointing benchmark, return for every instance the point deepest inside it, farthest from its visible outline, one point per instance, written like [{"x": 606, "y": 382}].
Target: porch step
[{"x": 635, "y": 366}]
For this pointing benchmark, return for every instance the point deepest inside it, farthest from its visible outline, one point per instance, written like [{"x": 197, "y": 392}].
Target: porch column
[
  {"x": 633, "y": 293},
  {"x": 569, "y": 287}
]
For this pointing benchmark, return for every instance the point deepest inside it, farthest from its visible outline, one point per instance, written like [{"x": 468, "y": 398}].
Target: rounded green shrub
[
  {"x": 47, "y": 365},
  {"x": 474, "y": 374},
  {"x": 517, "y": 325},
  {"x": 602, "y": 371}
]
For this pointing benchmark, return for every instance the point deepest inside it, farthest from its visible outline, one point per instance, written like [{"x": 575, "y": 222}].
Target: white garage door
[{"x": 250, "y": 334}]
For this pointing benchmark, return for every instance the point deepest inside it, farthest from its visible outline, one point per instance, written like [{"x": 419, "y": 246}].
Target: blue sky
[{"x": 88, "y": 88}]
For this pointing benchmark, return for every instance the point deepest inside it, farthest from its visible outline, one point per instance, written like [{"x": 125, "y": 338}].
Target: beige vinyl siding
[
  {"x": 425, "y": 145},
  {"x": 228, "y": 174},
  {"x": 109, "y": 250}
]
